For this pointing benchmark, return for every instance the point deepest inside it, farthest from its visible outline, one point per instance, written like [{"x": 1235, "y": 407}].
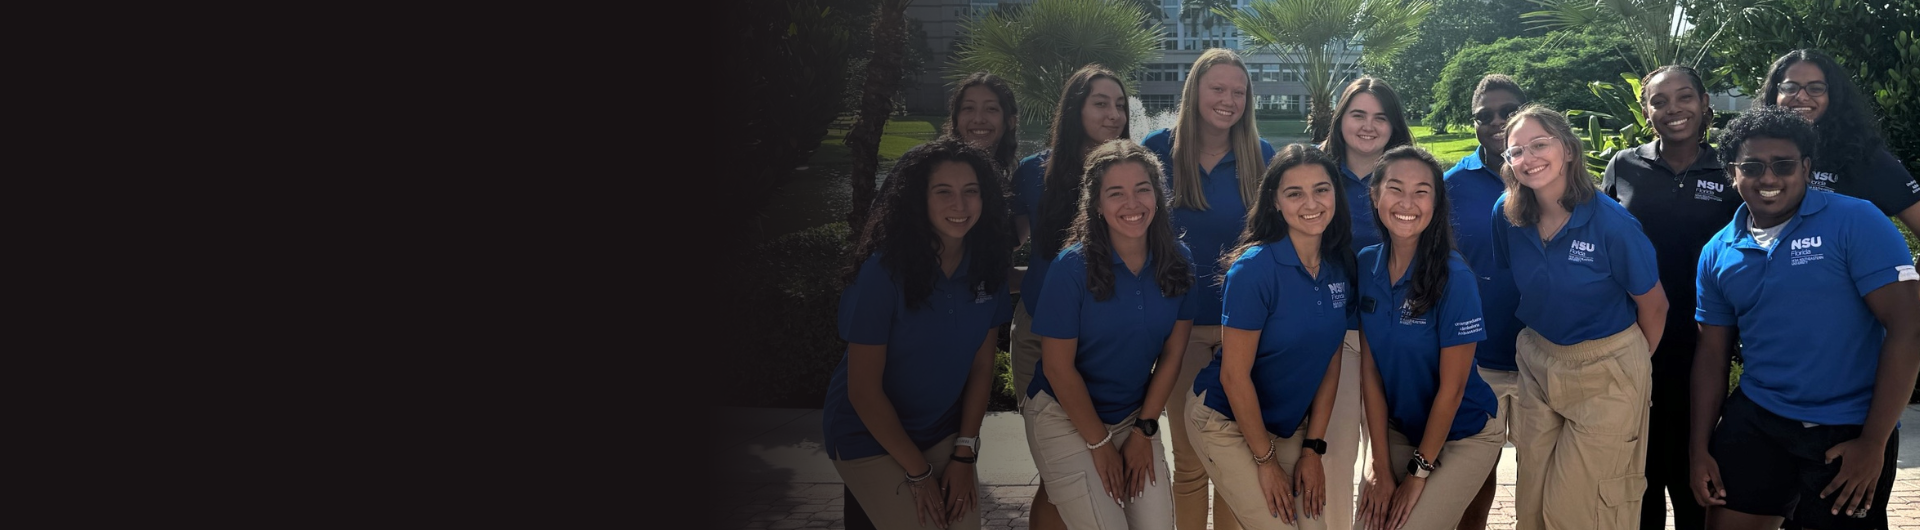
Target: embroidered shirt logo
[
  {"x": 1406, "y": 315},
  {"x": 1706, "y": 190},
  {"x": 1338, "y": 291},
  {"x": 1906, "y": 273},
  {"x": 1914, "y": 185},
  {"x": 1824, "y": 180},
  {"x": 1462, "y": 329},
  {"x": 1579, "y": 251},
  {"x": 1801, "y": 251},
  {"x": 980, "y": 294}
]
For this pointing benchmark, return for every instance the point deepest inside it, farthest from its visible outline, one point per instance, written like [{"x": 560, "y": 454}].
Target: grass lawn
[
  {"x": 1449, "y": 148},
  {"x": 901, "y": 134}
]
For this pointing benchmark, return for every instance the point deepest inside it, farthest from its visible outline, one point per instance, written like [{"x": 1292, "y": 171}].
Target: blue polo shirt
[
  {"x": 1810, "y": 343},
  {"x": 1302, "y": 320},
  {"x": 1119, "y": 339},
  {"x": 1472, "y": 188},
  {"x": 1580, "y": 286},
  {"x": 1029, "y": 180},
  {"x": 1360, "y": 203},
  {"x": 930, "y": 351},
  {"x": 1406, "y": 348},
  {"x": 1211, "y": 232}
]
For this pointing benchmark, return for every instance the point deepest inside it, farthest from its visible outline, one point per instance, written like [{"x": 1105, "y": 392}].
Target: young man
[
  {"x": 1473, "y": 185},
  {"x": 1824, "y": 297}
]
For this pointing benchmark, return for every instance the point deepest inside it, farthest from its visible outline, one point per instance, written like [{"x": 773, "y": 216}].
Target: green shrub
[
  {"x": 1553, "y": 69},
  {"x": 790, "y": 301}
]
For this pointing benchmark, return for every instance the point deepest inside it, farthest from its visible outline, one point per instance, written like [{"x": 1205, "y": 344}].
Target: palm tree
[
  {"x": 1653, "y": 28},
  {"x": 1038, "y": 46},
  {"x": 876, "y": 103},
  {"x": 1315, "y": 33}
]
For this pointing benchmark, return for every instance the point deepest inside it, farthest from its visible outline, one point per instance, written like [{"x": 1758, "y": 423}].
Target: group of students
[{"x": 1291, "y": 308}]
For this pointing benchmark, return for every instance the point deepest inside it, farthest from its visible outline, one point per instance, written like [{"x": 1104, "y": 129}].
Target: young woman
[
  {"x": 1812, "y": 429},
  {"x": 1472, "y": 187},
  {"x": 1420, "y": 320},
  {"x": 1046, "y": 191},
  {"x": 1215, "y": 155},
  {"x": 982, "y": 112},
  {"x": 1591, "y": 299},
  {"x": 1369, "y": 121},
  {"x": 1116, "y": 323},
  {"x": 1854, "y": 159},
  {"x": 1260, "y": 410},
  {"x": 1678, "y": 190},
  {"x": 926, "y": 292}
]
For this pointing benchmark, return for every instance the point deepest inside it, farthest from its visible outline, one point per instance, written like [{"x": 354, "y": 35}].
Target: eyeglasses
[
  {"x": 1815, "y": 89},
  {"x": 1486, "y": 116},
  {"x": 1781, "y": 168},
  {"x": 1538, "y": 147}
]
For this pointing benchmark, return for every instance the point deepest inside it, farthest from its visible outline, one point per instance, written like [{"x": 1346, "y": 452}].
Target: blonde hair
[
  {"x": 1243, "y": 138},
  {"x": 1520, "y": 207}
]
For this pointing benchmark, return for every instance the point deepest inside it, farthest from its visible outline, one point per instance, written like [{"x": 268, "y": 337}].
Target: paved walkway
[{"x": 784, "y": 480}]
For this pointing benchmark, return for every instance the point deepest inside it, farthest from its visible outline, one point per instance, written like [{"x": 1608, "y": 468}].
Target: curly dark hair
[
  {"x": 1848, "y": 131},
  {"x": 1764, "y": 121},
  {"x": 1266, "y": 225},
  {"x": 900, "y": 231},
  {"x": 1005, "y": 152},
  {"x": 1068, "y": 159},
  {"x": 1436, "y": 242},
  {"x": 1171, "y": 271}
]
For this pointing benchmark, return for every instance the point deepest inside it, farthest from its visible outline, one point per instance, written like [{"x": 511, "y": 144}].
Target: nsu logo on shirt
[
  {"x": 1706, "y": 190},
  {"x": 1580, "y": 251},
  {"x": 1338, "y": 291},
  {"x": 1801, "y": 251}
]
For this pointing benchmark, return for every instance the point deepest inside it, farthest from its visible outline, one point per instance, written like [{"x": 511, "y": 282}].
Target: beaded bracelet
[
  {"x": 1103, "y": 441},
  {"x": 923, "y": 476},
  {"x": 1258, "y": 461}
]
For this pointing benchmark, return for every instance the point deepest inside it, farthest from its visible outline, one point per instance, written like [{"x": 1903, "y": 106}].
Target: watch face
[{"x": 1148, "y": 426}]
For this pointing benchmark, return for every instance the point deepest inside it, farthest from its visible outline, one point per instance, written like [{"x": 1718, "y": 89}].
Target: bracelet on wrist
[
  {"x": 1263, "y": 460},
  {"x": 1103, "y": 441},
  {"x": 966, "y": 459},
  {"x": 923, "y": 476}
]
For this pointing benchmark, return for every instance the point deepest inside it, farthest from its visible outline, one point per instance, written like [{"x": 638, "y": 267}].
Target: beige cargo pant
[
  {"x": 1464, "y": 464},
  {"x": 1073, "y": 483},
  {"x": 1580, "y": 430},
  {"x": 1189, "y": 475},
  {"x": 1222, "y": 449},
  {"x": 876, "y": 481}
]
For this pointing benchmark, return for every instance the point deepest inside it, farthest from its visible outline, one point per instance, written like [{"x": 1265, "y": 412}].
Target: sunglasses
[
  {"x": 1782, "y": 168},
  {"x": 1486, "y": 116},
  {"x": 1815, "y": 89}
]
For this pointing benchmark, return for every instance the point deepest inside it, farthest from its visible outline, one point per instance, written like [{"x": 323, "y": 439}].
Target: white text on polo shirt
[
  {"x": 1802, "y": 250},
  {"x": 1914, "y": 185},
  {"x": 1705, "y": 190},
  {"x": 980, "y": 294},
  {"x": 1578, "y": 252},
  {"x": 1339, "y": 293},
  {"x": 1406, "y": 315},
  {"x": 1462, "y": 329},
  {"x": 1824, "y": 180}
]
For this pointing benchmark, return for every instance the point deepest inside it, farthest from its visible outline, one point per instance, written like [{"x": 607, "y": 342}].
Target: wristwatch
[
  {"x": 1419, "y": 466},
  {"x": 1148, "y": 427},
  {"x": 1318, "y": 446},
  {"x": 972, "y": 443}
]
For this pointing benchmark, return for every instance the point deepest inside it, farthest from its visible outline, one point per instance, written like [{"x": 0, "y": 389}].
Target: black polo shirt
[
  {"x": 1879, "y": 178},
  {"x": 1679, "y": 211}
]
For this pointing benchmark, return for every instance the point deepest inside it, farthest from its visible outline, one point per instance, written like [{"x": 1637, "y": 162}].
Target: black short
[{"x": 1776, "y": 466}]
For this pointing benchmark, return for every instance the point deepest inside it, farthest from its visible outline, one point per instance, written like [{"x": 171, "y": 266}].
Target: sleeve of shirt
[
  {"x": 867, "y": 306},
  {"x": 1266, "y": 152},
  {"x": 1607, "y": 178},
  {"x": 1630, "y": 256},
  {"x": 1459, "y": 308},
  {"x": 1066, "y": 287},
  {"x": 1500, "y": 229},
  {"x": 1876, "y": 253},
  {"x": 1004, "y": 312},
  {"x": 1190, "y": 301},
  {"x": 1250, "y": 293},
  {"x": 1888, "y": 184},
  {"x": 1710, "y": 306},
  {"x": 1023, "y": 177}
]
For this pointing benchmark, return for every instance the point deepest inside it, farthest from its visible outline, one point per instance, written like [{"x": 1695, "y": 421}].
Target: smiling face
[
  {"x": 1104, "y": 115},
  {"x": 1365, "y": 127},
  {"x": 1771, "y": 196},
  {"x": 981, "y": 120},
  {"x": 953, "y": 202},
  {"x": 1805, "y": 74},
  {"x": 1223, "y": 96},
  {"x": 1542, "y": 164},
  {"x": 1127, "y": 201},
  {"x": 1674, "y": 107},
  {"x": 1305, "y": 199},
  {"x": 1403, "y": 199},
  {"x": 1490, "y": 113}
]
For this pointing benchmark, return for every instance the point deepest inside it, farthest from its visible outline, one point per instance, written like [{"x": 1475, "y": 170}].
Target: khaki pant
[
  {"x": 1189, "y": 475},
  {"x": 1346, "y": 438},
  {"x": 1506, "y": 387},
  {"x": 1073, "y": 484},
  {"x": 1580, "y": 428},
  {"x": 1025, "y": 346},
  {"x": 1222, "y": 448},
  {"x": 875, "y": 480},
  {"x": 1464, "y": 464}
]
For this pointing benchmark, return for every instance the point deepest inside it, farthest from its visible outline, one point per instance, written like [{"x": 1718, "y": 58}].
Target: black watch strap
[
  {"x": 1149, "y": 427},
  {"x": 1317, "y": 445},
  {"x": 966, "y": 459}
]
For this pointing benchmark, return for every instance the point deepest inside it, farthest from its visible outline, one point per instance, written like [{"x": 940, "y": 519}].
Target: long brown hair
[
  {"x": 1243, "y": 137},
  {"x": 1265, "y": 223},
  {"x": 1520, "y": 208},
  {"x": 1399, "y": 135},
  {"x": 1171, "y": 271},
  {"x": 1068, "y": 159}
]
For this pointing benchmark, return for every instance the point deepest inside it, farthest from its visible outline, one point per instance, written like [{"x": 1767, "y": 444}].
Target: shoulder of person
[{"x": 1161, "y": 139}]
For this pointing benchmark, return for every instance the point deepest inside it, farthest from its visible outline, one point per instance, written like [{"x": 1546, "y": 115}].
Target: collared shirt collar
[
  {"x": 1583, "y": 213},
  {"x": 1474, "y": 161},
  {"x": 1381, "y": 270},
  {"x": 1283, "y": 252},
  {"x": 1708, "y": 159},
  {"x": 1350, "y": 175}
]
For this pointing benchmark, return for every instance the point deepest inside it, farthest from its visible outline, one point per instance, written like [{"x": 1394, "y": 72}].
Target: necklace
[{"x": 1312, "y": 270}]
